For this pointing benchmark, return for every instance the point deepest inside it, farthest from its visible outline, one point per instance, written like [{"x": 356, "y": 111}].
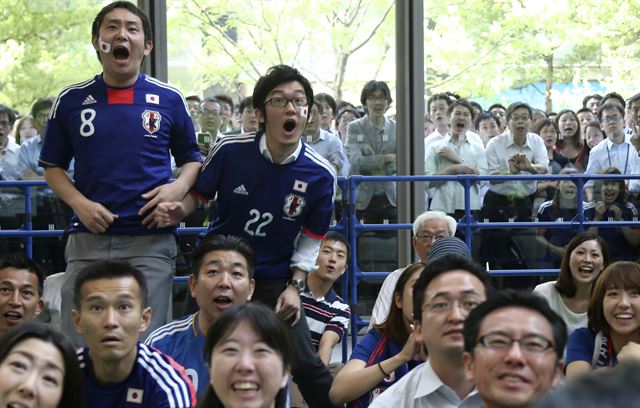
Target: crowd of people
[{"x": 131, "y": 158}]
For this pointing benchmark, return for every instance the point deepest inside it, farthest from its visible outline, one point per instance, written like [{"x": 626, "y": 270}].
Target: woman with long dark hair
[
  {"x": 585, "y": 257},
  {"x": 385, "y": 354},
  {"x": 39, "y": 368}
]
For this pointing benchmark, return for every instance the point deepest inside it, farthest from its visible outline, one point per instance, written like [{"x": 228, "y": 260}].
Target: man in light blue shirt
[
  {"x": 327, "y": 144},
  {"x": 30, "y": 150}
]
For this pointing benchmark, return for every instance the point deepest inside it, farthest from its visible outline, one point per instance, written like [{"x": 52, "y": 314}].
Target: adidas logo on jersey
[
  {"x": 89, "y": 100},
  {"x": 241, "y": 190}
]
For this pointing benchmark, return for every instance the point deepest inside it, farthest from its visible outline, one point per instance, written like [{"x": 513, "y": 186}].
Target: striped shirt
[{"x": 328, "y": 313}]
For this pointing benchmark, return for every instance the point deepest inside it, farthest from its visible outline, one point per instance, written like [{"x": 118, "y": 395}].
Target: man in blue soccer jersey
[
  {"x": 278, "y": 194},
  {"x": 120, "y": 126},
  {"x": 110, "y": 312},
  {"x": 222, "y": 275}
]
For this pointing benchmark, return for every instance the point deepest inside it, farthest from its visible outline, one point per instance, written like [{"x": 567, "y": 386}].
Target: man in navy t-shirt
[
  {"x": 120, "y": 127},
  {"x": 110, "y": 312},
  {"x": 278, "y": 194}
]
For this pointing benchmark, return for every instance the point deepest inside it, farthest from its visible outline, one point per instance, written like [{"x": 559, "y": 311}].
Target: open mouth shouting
[
  {"x": 289, "y": 125},
  {"x": 121, "y": 53},
  {"x": 222, "y": 302},
  {"x": 12, "y": 317}
]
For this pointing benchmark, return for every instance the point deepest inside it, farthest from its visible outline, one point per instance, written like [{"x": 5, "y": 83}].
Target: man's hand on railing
[
  {"x": 94, "y": 216},
  {"x": 164, "y": 215}
]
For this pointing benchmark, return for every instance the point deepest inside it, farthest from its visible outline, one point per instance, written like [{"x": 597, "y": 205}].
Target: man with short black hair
[
  {"x": 326, "y": 143},
  {"x": 455, "y": 154},
  {"x": 226, "y": 104},
  {"x": 278, "y": 194},
  {"x": 30, "y": 149},
  {"x": 437, "y": 106},
  {"x": 371, "y": 148},
  {"x": 221, "y": 276},
  {"x": 448, "y": 289},
  {"x": 9, "y": 149},
  {"x": 501, "y": 112},
  {"x": 21, "y": 282},
  {"x": 110, "y": 311},
  {"x": 506, "y": 374},
  {"x": 327, "y": 112},
  {"x": 210, "y": 118},
  {"x": 516, "y": 151},
  {"x": 327, "y": 313},
  {"x": 121, "y": 127},
  {"x": 615, "y": 151},
  {"x": 592, "y": 102}
]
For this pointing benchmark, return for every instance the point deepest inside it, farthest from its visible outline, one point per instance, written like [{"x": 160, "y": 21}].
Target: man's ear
[
  {"x": 469, "y": 366},
  {"x": 557, "y": 375},
  {"x": 40, "y": 306},
  {"x": 259, "y": 115},
  {"x": 75, "y": 314},
  {"x": 145, "y": 318},
  {"x": 252, "y": 288},
  {"x": 193, "y": 283},
  {"x": 417, "y": 331},
  {"x": 148, "y": 46}
]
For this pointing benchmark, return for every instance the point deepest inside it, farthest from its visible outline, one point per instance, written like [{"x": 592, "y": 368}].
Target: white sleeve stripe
[
  {"x": 166, "y": 376},
  {"x": 168, "y": 329},
  {"x": 81, "y": 85},
  {"x": 169, "y": 87},
  {"x": 225, "y": 141},
  {"x": 325, "y": 164}
]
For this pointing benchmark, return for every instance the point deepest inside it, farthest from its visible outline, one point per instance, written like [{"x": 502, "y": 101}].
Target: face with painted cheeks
[{"x": 121, "y": 45}]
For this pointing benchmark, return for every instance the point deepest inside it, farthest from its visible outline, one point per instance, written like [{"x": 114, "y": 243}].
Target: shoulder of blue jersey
[
  {"x": 229, "y": 142},
  {"x": 169, "y": 329},
  {"x": 169, "y": 376},
  {"x": 66, "y": 91}
]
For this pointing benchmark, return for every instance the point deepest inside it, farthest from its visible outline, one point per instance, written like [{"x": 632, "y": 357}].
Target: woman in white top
[{"x": 586, "y": 256}]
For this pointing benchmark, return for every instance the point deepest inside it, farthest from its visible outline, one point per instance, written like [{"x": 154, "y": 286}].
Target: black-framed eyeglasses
[
  {"x": 531, "y": 343},
  {"x": 5, "y": 123},
  {"x": 281, "y": 101}
]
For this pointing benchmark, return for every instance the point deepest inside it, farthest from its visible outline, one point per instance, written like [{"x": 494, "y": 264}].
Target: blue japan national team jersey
[
  {"x": 183, "y": 341},
  {"x": 156, "y": 381},
  {"x": 121, "y": 139},
  {"x": 267, "y": 203}
]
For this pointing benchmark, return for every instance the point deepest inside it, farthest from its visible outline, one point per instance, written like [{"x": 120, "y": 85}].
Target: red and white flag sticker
[{"x": 300, "y": 186}]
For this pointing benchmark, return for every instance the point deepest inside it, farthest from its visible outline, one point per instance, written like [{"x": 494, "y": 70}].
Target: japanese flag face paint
[
  {"x": 303, "y": 110},
  {"x": 104, "y": 46}
]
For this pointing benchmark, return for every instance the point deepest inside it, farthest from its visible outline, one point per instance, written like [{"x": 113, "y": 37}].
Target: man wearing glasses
[
  {"x": 371, "y": 148},
  {"x": 447, "y": 290},
  {"x": 616, "y": 150},
  {"x": 427, "y": 228},
  {"x": 209, "y": 118},
  {"x": 278, "y": 194},
  {"x": 513, "y": 345}
]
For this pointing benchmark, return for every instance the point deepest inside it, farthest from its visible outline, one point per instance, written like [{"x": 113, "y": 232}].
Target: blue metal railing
[
  {"x": 468, "y": 223},
  {"x": 351, "y": 227}
]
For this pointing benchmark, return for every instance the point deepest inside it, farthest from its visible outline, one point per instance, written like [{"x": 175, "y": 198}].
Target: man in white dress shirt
[{"x": 447, "y": 290}]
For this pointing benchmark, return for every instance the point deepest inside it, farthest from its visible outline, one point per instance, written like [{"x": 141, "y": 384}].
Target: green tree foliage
[
  {"x": 44, "y": 46},
  {"x": 479, "y": 48},
  {"x": 338, "y": 44}
]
